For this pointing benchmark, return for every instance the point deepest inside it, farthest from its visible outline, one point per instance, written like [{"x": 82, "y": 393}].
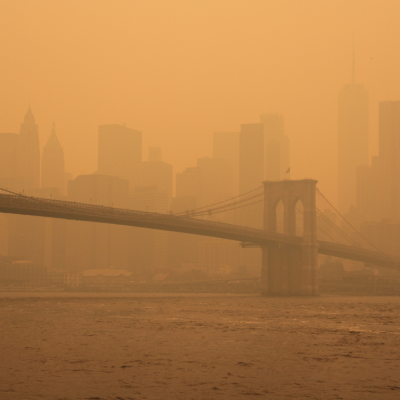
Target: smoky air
[{"x": 199, "y": 200}]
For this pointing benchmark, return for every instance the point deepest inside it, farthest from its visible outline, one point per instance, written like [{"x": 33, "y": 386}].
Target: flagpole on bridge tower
[{"x": 287, "y": 174}]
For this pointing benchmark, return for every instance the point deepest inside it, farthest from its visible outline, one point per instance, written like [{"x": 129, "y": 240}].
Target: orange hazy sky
[{"x": 179, "y": 70}]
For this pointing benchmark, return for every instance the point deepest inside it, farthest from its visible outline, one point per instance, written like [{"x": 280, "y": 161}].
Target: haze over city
[
  {"x": 178, "y": 71},
  {"x": 199, "y": 199}
]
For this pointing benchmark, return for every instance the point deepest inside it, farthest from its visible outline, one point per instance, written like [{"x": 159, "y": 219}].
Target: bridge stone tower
[{"x": 290, "y": 269}]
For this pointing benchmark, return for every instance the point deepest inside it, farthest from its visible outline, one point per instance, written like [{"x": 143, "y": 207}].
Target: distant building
[
  {"x": 226, "y": 146},
  {"x": 215, "y": 180},
  {"x": 120, "y": 153},
  {"x": 29, "y": 151},
  {"x": 385, "y": 235},
  {"x": 188, "y": 183},
  {"x": 149, "y": 247},
  {"x": 99, "y": 189},
  {"x": 21, "y": 272},
  {"x": 182, "y": 247},
  {"x": 149, "y": 198},
  {"x": 378, "y": 189},
  {"x": 17, "y": 234},
  {"x": 53, "y": 167},
  {"x": 251, "y": 170},
  {"x": 20, "y": 157},
  {"x": 156, "y": 172},
  {"x": 352, "y": 140},
  {"x": 389, "y": 152},
  {"x": 33, "y": 238},
  {"x": 251, "y": 157},
  {"x": 183, "y": 204},
  {"x": 64, "y": 279},
  {"x": 370, "y": 189},
  {"x": 94, "y": 245},
  {"x": 9, "y": 144},
  {"x": 276, "y": 146}
]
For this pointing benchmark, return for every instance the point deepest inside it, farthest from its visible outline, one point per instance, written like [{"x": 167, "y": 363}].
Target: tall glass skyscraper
[{"x": 352, "y": 140}]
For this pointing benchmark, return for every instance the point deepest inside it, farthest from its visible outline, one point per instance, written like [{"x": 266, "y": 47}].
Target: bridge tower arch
[{"x": 290, "y": 269}]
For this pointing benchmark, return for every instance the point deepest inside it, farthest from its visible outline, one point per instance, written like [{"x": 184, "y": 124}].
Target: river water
[{"x": 129, "y": 346}]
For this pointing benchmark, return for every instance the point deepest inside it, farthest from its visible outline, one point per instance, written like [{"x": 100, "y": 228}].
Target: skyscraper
[
  {"x": 276, "y": 146},
  {"x": 389, "y": 153},
  {"x": 156, "y": 172},
  {"x": 352, "y": 140},
  {"x": 29, "y": 152},
  {"x": 251, "y": 157},
  {"x": 251, "y": 170},
  {"x": 9, "y": 143},
  {"x": 188, "y": 183},
  {"x": 226, "y": 145},
  {"x": 120, "y": 153},
  {"x": 215, "y": 179},
  {"x": 53, "y": 168},
  {"x": 95, "y": 245},
  {"x": 149, "y": 247}
]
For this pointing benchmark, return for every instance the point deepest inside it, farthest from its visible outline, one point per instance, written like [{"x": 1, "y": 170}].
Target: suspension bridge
[{"x": 282, "y": 218}]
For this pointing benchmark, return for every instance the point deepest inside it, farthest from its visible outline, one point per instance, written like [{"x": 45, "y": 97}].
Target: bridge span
[{"x": 25, "y": 205}]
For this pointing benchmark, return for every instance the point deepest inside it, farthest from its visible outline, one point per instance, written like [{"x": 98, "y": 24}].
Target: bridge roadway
[{"x": 25, "y": 205}]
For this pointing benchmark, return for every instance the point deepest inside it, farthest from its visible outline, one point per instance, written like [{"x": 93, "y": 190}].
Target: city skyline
[
  {"x": 199, "y": 199},
  {"x": 83, "y": 86}
]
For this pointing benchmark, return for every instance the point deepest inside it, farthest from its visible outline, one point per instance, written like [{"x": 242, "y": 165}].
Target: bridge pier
[{"x": 290, "y": 269}]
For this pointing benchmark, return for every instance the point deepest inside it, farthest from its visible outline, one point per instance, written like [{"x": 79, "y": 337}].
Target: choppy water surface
[{"x": 82, "y": 346}]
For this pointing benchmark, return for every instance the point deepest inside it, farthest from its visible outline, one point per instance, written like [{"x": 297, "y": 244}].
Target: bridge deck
[{"x": 24, "y": 205}]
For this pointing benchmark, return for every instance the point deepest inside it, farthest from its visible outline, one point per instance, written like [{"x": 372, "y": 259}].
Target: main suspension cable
[
  {"x": 337, "y": 229},
  {"x": 348, "y": 223},
  {"x": 223, "y": 201},
  {"x": 318, "y": 227}
]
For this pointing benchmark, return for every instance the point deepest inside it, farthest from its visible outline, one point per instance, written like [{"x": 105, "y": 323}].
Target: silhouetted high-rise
[
  {"x": 226, "y": 145},
  {"x": 251, "y": 156},
  {"x": 276, "y": 146},
  {"x": 120, "y": 153},
  {"x": 389, "y": 152},
  {"x": 352, "y": 140},
  {"x": 29, "y": 151},
  {"x": 188, "y": 183},
  {"x": 251, "y": 169},
  {"x": 149, "y": 247},
  {"x": 156, "y": 172},
  {"x": 9, "y": 143},
  {"x": 94, "y": 245},
  {"x": 53, "y": 168},
  {"x": 378, "y": 185},
  {"x": 215, "y": 178}
]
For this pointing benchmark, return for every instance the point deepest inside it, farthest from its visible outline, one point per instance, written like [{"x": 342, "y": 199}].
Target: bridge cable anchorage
[
  {"x": 338, "y": 230},
  {"x": 224, "y": 201},
  {"x": 318, "y": 227},
  {"x": 348, "y": 223}
]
